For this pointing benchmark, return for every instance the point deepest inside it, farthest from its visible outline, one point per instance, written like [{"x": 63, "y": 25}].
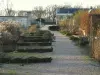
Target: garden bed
[
  {"x": 34, "y": 43},
  {"x": 54, "y": 28},
  {"x": 9, "y": 48},
  {"x": 37, "y": 40},
  {"x": 35, "y": 49},
  {"x": 25, "y": 58},
  {"x": 39, "y": 35}
]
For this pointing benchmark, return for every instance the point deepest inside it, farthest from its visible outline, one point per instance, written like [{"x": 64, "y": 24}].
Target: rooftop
[{"x": 68, "y": 10}]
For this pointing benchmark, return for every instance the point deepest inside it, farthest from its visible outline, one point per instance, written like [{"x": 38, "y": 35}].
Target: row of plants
[
  {"x": 85, "y": 24},
  {"x": 76, "y": 38},
  {"x": 34, "y": 43},
  {"x": 16, "y": 57},
  {"x": 83, "y": 41},
  {"x": 77, "y": 27},
  {"x": 39, "y": 35},
  {"x": 40, "y": 49},
  {"x": 21, "y": 42},
  {"x": 54, "y": 28}
]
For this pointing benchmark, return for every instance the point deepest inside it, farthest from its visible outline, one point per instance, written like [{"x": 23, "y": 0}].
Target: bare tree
[
  {"x": 51, "y": 12},
  {"x": 38, "y": 12},
  {"x": 97, "y": 6},
  {"x": 48, "y": 12},
  {"x": 66, "y": 6},
  {"x": 8, "y": 10},
  {"x": 22, "y": 13},
  {"x": 78, "y": 6}
]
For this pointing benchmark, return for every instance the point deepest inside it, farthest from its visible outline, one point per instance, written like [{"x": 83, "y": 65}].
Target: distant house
[
  {"x": 64, "y": 13},
  {"x": 23, "y": 20}
]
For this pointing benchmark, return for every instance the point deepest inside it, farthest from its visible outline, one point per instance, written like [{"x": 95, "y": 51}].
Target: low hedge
[
  {"x": 41, "y": 50},
  {"x": 39, "y": 35},
  {"x": 37, "y": 40},
  {"x": 30, "y": 59},
  {"x": 74, "y": 38},
  {"x": 54, "y": 28},
  {"x": 34, "y": 43},
  {"x": 83, "y": 41}
]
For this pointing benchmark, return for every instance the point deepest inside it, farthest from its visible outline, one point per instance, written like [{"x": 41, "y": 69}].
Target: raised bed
[
  {"x": 54, "y": 28},
  {"x": 31, "y": 37},
  {"x": 40, "y": 49},
  {"x": 34, "y": 43},
  {"x": 38, "y": 32},
  {"x": 9, "y": 48},
  {"x": 25, "y": 58},
  {"x": 37, "y": 40}
]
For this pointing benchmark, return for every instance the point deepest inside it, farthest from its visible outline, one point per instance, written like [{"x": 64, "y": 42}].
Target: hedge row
[{"x": 25, "y": 60}]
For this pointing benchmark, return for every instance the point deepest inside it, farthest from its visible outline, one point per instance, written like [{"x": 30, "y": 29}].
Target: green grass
[{"x": 9, "y": 72}]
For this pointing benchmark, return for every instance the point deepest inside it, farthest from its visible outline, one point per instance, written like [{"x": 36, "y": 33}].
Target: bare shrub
[{"x": 10, "y": 31}]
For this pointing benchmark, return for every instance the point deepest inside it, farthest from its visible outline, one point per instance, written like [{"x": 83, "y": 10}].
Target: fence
[{"x": 95, "y": 35}]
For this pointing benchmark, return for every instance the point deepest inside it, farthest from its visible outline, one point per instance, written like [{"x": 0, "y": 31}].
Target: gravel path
[{"x": 68, "y": 59}]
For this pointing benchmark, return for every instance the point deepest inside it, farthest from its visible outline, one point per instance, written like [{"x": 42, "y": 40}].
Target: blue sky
[{"x": 29, "y": 4}]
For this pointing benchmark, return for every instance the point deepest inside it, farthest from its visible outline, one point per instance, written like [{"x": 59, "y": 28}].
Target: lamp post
[
  {"x": 1, "y": 42},
  {"x": 1, "y": 49},
  {"x": 40, "y": 22}
]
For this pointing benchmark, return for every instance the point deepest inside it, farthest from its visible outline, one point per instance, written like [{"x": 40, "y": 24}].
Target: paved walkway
[{"x": 68, "y": 59}]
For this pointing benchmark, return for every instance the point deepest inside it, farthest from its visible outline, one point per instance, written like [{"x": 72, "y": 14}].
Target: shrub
[
  {"x": 32, "y": 28},
  {"x": 68, "y": 34},
  {"x": 37, "y": 33},
  {"x": 74, "y": 38},
  {"x": 10, "y": 31},
  {"x": 83, "y": 41},
  {"x": 63, "y": 32},
  {"x": 47, "y": 35}
]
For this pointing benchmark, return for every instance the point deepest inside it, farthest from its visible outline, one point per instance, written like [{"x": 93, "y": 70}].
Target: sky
[{"x": 30, "y": 4}]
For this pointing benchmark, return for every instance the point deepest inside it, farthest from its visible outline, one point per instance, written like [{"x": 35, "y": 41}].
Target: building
[
  {"x": 65, "y": 13},
  {"x": 23, "y": 20}
]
